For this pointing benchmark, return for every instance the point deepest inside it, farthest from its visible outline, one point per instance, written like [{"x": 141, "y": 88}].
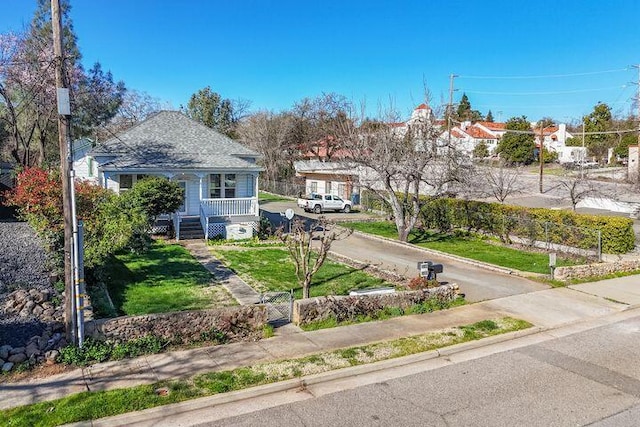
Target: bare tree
[
  {"x": 268, "y": 134},
  {"x": 299, "y": 242},
  {"x": 501, "y": 181},
  {"x": 136, "y": 106},
  {"x": 317, "y": 123},
  {"x": 577, "y": 188},
  {"x": 399, "y": 162}
]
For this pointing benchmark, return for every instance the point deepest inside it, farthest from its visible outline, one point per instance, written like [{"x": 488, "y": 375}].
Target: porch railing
[
  {"x": 229, "y": 207},
  {"x": 204, "y": 222}
]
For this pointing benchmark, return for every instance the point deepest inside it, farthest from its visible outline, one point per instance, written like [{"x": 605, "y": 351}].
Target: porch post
[{"x": 255, "y": 190}]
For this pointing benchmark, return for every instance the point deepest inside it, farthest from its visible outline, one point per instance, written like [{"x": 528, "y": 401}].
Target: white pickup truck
[{"x": 318, "y": 203}]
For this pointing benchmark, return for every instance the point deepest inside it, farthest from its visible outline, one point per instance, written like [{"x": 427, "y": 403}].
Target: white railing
[
  {"x": 176, "y": 224},
  {"x": 229, "y": 207},
  {"x": 204, "y": 222}
]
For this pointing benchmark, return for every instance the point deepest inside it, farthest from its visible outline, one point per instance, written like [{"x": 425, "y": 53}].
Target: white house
[{"x": 219, "y": 176}]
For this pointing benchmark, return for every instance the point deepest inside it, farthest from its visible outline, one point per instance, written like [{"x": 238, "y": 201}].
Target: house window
[
  {"x": 250, "y": 191},
  {"x": 126, "y": 182},
  {"x": 328, "y": 187},
  {"x": 230, "y": 185},
  {"x": 342, "y": 190},
  {"x": 313, "y": 187},
  {"x": 90, "y": 166},
  {"x": 215, "y": 187}
]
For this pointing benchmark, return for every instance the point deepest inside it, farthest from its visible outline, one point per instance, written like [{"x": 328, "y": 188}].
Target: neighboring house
[
  {"x": 554, "y": 137},
  {"x": 330, "y": 178},
  {"x": 466, "y": 136},
  {"x": 7, "y": 182},
  {"x": 84, "y": 164},
  {"x": 7, "y": 176},
  {"x": 219, "y": 175}
]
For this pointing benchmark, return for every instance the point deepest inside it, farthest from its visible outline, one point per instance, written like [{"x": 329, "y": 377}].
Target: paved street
[
  {"x": 589, "y": 378},
  {"x": 478, "y": 284}
]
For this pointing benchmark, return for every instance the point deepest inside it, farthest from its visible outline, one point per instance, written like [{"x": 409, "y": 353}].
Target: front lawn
[
  {"x": 467, "y": 246},
  {"x": 165, "y": 278},
  {"x": 272, "y": 270}
]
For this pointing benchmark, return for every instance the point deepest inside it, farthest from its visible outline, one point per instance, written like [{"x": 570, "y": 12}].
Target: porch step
[{"x": 190, "y": 228}]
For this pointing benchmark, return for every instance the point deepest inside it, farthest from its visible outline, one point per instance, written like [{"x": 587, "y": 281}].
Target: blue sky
[{"x": 274, "y": 53}]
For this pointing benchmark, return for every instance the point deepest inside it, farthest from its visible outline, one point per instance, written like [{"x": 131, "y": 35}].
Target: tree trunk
[{"x": 306, "y": 286}]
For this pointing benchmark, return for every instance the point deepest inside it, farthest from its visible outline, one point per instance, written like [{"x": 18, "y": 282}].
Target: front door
[{"x": 182, "y": 210}]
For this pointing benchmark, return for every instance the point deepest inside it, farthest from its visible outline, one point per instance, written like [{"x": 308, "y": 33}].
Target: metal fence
[{"x": 279, "y": 306}]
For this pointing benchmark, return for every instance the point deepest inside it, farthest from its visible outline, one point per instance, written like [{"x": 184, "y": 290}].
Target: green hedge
[{"x": 556, "y": 226}]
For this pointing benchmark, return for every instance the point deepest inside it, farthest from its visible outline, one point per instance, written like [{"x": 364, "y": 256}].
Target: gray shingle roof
[{"x": 171, "y": 140}]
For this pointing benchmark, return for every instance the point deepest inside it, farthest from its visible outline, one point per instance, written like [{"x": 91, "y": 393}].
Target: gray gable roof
[{"x": 171, "y": 140}]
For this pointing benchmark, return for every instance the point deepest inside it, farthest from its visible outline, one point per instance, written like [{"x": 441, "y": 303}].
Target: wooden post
[{"x": 64, "y": 131}]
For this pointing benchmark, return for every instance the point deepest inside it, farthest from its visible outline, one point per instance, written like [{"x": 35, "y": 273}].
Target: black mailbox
[
  {"x": 436, "y": 268},
  {"x": 429, "y": 270}
]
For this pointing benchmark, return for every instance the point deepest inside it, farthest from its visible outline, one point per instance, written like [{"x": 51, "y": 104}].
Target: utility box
[{"x": 238, "y": 232}]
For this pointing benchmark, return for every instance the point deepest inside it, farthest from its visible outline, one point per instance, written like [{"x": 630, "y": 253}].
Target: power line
[
  {"x": 547, "y": 76},
  {"x": 542, "y": 93}
]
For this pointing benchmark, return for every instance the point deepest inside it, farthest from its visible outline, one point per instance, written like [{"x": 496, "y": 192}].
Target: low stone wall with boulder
[
  {"x": 348, "y": 307},
  {"x": 242, "y": 323},
  {"x": 594, "y": 270}
]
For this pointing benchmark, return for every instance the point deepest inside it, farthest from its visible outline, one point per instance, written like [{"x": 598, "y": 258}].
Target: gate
[{"x": 279, "y": 306}]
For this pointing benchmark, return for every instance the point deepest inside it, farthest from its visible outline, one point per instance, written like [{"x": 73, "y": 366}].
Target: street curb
[
  {"x": 475, "y": 263},
  {"x": 160, "y": 412}
]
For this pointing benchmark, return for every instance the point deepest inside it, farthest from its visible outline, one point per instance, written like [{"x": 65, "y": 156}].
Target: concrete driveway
[{"x": 477, "y": 283}]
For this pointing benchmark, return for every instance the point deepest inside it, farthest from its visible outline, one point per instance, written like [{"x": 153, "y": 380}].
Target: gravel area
[{"x": 22, "y": 266}]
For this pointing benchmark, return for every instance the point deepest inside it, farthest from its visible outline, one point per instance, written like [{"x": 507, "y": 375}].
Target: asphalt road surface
[
  {"x": 478, "y": 284},
  {"x": 589, "y": 378}
]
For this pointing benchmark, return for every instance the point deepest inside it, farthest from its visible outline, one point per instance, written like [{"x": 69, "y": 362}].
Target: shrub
[
  {"x": 420, "y": 282},
  {"x": 558, "y": 226}
]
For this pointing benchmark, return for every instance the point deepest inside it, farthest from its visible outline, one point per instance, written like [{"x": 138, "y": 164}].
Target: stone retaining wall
[
  {"x": 347, "y": 307},
  {"x": 242, "y": 323},
  {"x": 591, "y": 270}
]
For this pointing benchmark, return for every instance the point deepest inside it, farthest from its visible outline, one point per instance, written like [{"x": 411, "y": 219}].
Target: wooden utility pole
[
  {"x": 541, "y": 153},
  {"x": 64, "y": 132}
]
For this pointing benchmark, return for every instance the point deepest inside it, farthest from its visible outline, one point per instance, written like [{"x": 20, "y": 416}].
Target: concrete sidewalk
[{"x": 547, "y": 309}]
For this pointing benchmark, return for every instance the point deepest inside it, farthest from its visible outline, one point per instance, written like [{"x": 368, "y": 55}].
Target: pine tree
[{"x": 489, "y": 117}]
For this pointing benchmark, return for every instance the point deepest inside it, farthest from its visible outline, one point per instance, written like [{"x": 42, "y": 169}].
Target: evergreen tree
[
  {"x": 600, "y": 120},
  {"x": 517, "y": 147},
  {"x": 489, "y": 117},
  {"x": 210, "y": 109}
]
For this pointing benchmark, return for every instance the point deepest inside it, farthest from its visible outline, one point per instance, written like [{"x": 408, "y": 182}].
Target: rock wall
[
  {"x": 592, "y": 270},
  {"x": 242, "y": 323},
  {"x": 347, "y": 307}
]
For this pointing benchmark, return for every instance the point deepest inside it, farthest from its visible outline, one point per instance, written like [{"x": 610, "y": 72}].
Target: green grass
[
  {"x": 467, "y": 246},
  {"x": 165, "y": 278},
  {"x": 100, "y": 404},
  {"x": 272, "y": 270},
  {"x": 269, "y": 197}
]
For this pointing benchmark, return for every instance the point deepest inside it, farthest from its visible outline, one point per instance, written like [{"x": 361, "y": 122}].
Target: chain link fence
[{"x": 284, "y": 188}]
